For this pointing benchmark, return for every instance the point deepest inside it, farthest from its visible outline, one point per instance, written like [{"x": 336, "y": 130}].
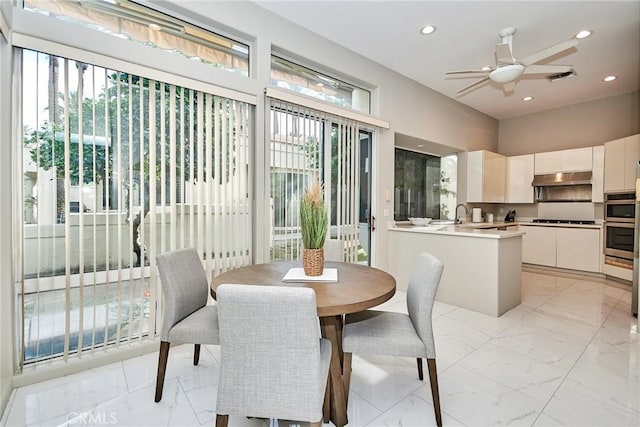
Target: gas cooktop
[{"x": 564, "y": 221}]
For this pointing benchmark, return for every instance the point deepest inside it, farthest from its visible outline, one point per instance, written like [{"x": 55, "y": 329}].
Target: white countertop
[
  {"x": 462, "y": 230},
  {"x": 544, "y": 224}
]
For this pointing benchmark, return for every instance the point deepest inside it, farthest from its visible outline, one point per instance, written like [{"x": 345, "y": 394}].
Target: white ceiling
[{"x": 388, "y": 33}]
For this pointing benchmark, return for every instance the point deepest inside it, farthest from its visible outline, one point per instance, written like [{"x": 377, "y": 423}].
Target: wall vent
[{"x": 558, "y": 76}]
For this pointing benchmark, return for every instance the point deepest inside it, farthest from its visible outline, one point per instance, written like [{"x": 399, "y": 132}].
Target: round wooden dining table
[{"x": 357, "y": 288}]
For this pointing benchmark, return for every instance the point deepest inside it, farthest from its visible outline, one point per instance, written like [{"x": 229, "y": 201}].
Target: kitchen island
[{"x": 482, "y": 267}]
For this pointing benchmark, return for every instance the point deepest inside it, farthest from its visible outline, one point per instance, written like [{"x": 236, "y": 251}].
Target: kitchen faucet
[{"x": 466, "y": 212}]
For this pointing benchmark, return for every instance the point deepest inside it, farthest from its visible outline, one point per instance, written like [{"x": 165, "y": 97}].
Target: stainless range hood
[
  {"x": 563, "y": 187},
  {"x": 562, "y": 178}
]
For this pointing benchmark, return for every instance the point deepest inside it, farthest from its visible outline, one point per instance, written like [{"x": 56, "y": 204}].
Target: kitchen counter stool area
[{"x": 566, "y": 356}]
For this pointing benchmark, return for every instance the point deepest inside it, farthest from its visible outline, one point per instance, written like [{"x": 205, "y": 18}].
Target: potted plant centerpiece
[{"x": 313, "y": 222}]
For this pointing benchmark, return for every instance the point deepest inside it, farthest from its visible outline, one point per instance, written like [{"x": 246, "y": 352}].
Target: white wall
[
  {"x": 6, "y": 260},
  {"x": 581, "y": 125}
]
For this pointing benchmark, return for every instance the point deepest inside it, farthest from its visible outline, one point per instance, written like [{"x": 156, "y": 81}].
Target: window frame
[{"x": 312, "y": 73}]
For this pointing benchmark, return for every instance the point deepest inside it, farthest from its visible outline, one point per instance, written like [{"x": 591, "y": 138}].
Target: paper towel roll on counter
[{"x": 476, "y": 215}]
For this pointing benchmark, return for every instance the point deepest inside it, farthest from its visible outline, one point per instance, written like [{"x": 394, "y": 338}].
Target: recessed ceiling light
[
  {"x": 583, "y": 34},
  {"x": 420, "y": 145},
  {"x": 427, "y": 29},
  {"x": 486, "y": 68},
  {"x": 527, "y": 98},
  {"x": 609, "y": 78}
]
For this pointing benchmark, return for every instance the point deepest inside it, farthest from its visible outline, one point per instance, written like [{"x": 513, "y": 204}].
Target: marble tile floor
[{"x": 568, "y": 356}]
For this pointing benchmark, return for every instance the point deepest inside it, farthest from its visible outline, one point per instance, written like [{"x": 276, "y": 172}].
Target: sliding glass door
[
  {"x": 307, "y": 145},
  {"x": 118, "y": 168}
]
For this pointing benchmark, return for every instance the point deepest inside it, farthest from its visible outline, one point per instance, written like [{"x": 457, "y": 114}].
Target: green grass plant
[{"x": 313, "y": 217}]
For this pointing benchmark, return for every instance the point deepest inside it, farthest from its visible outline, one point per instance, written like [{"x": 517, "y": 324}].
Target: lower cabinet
[
  {"x": 539, "y": 245},
  {"x": 578, "y": 249},
  {"x": 572, "y": 248}
]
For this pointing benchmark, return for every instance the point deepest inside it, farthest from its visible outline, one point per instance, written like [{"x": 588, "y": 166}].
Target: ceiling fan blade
[
  {"x": 547, "y": 69},
  {"x": 509, "y": 87},
  {"x": 474, "y": 84},
  {"x": 470, "y": 71},
  {"x": 545, "y": 53},
  {"x": 503, "y": 54}
]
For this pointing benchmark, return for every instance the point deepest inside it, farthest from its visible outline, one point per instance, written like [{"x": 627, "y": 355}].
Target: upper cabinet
[
  {"x": 620, "y": 159},
  {"x": 519, "y": 175},
  {"x": 577, "y": 159},
  {"x": 549, "y": 162},
  {"x": 485, "y": 177},
  {"x": 597, "y": 187}
]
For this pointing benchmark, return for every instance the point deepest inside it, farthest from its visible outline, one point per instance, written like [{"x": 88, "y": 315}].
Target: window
[
  {"x": 128, "y": 20},
  {"x": 118, "y": 168},
  {"x": 294, "y": 77},
  {"x": 425, "y": 185}
]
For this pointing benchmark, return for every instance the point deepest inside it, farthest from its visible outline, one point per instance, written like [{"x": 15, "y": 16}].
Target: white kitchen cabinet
[
  {"x": 485, "y": 177},
  {"x": 578, "y": 249},
  {"x": 577, "y": 159},
  {"x": 538, "y": 245},
  {"x": 620, "y": 160},
  {"x": 519, "y": 175},
  {"x": 614, "y": 165},
  {"x": 563, "y": 247},
  {"x": 597, "y": 186},
  {"x": 631, "y": 157},
  {"x": 549, "y": 162}
]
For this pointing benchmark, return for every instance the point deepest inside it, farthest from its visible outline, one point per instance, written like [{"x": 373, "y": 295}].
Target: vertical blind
[
  {"x": 117, "y": 169},
  {"x": 308, "y": 145}
]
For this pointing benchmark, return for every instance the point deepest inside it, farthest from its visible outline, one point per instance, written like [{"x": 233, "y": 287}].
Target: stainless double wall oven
[{"x": 619, "y": 229}]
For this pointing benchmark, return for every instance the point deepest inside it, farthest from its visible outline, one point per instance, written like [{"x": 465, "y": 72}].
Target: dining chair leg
[
  {"x": 346, "y": 372},
  {"x": 433, "y": 378},
  {"x": 196, "y": 354},
  {"x": 222, "y": 420},
  {"x": 326, "y": 406},
  {"x": 162, "y": 367},
  {"x": 420, "y": 374}
]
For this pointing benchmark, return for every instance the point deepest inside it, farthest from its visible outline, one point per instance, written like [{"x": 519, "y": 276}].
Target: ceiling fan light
[
  {"x": 427, "y": 29},
  {"x": 506, "y": 74},
  {"x": 583, "y": 34}
]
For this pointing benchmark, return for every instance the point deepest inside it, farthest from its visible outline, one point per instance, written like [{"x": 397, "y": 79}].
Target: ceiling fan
[{"x": 508, "y": 68}]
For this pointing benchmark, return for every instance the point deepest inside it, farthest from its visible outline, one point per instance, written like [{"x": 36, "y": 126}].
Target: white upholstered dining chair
[
  {"x": 273, "y": 361},
  {"x": 334, "y": 250},
  {"x": 187, "y": 317},
  {"x": 385, "y": 333}
]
